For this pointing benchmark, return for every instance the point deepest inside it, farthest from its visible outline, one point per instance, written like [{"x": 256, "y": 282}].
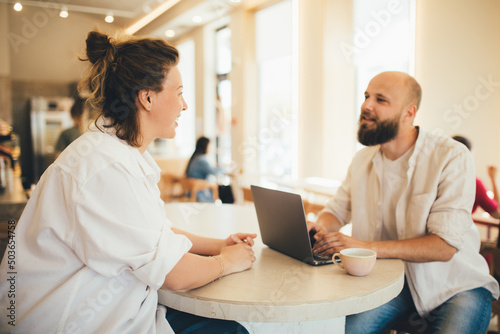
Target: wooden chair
[
  {"x": 191, "y": 186},
  {"x": 492, "y": 255},
  {"x": 247, "y": 194},
  {"x": 495, "y": 309},
  {"x": 170, "y": 187},
  {"x": 489, "y": 223},
  {"x": 313, "y": 208}
]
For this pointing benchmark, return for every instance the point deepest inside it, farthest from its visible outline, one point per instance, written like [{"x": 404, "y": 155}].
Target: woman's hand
[
  {"x": 237, "y": 252},
  {"x": 239, "y": 238},
  {"x": 237, "y": 258},
  {"x": 193, "y": 271}
]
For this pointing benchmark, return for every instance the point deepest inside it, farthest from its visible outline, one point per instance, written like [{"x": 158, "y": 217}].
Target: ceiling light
[
  {"x": 64, "y": 12},
  {"x": 235, "y": 0},
  {"x": 197, "y": 19},
  {"x": 170, "y": 33},
  {"x": 109, "y": 18},
  {"x": 18, "y": 6}
]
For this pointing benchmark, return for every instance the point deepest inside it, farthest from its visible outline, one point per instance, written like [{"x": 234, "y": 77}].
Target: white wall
[
  {"x": 457, "y": 51},
  {"x": 45, "y": 47},
  {"x": 311, "y": 18},
  {"x": 243, "y": 79},
  {"x": 340, "y": 117},
  {"x": 4, "y": 46},
  {"x": 5, "y": 81}
]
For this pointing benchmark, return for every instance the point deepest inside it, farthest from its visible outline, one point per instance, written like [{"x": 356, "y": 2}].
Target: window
[
  {"x": 383, "y": 40},
  {"x": 276, "y": 124},
  {"x": 223, "y": 95},
  {"x": 184, "y": 142}
]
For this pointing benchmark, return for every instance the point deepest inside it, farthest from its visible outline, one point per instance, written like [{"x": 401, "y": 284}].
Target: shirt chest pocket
[{"x": 419, "y": 208}]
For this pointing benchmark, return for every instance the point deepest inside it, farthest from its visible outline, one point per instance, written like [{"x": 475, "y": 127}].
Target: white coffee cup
[{"x": 356, "y": 261}]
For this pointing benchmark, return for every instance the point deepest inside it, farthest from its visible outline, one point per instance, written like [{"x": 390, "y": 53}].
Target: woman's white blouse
[{"x": 93, "y": 245}]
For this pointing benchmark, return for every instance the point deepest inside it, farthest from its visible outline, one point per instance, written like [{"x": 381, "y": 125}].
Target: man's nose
[{"x": 367, "y": 105}]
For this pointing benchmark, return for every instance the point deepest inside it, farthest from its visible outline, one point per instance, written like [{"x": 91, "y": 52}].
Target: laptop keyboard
[{"x": 319, "y": 257}]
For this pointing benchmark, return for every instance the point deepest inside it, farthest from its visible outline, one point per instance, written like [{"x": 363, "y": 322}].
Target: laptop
[{"x": 283, "y": 226}]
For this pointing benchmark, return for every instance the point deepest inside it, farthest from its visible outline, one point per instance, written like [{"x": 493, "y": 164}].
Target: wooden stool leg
[{"x": 495, "y": 309}]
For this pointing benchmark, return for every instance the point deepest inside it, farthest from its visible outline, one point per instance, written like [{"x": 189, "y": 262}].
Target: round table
[{"x": 278, "y": 293}]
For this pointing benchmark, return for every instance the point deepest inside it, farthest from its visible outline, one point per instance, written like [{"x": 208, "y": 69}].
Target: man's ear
[
  {"x": 411, "y": 111},
  {"x": 144, "y": 98}
]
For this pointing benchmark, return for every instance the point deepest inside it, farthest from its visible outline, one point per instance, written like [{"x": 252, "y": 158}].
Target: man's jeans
[{"x": 467, "y": 312}]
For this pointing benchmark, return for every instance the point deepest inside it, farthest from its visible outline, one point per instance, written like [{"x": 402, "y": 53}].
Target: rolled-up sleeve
[
  {"x": 450, "y": 215},
  {"x": 171, "y": 248},
  {"x": 122, "y": 226}
]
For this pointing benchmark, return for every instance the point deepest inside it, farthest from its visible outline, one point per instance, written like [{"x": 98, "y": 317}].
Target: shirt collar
[
  {"x": 146, "y": 162},
  {"x": 150, "y": 167},
  {"x": 377, "y": 153},
  {"x": 418, "y": 146}
]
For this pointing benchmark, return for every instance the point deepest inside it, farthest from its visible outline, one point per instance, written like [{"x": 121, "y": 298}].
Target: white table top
[{"x": 277, "y": 288}]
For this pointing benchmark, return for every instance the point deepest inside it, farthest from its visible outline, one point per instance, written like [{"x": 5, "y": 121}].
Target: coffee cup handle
[{"x": 339, "y": 262}]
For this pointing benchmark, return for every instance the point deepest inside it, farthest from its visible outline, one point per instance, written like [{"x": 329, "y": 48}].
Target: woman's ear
[{"x": 144, "y": 97}]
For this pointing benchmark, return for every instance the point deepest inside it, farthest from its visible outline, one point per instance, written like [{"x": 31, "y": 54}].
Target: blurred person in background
[
  {"x": 482, "y": 199},
  {"x": 199, "y": 167},
  {"x": 69, "y": 135}
]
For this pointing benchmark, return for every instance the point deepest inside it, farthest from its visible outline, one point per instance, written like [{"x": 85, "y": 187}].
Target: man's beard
[{"x": 383, "y": 132}]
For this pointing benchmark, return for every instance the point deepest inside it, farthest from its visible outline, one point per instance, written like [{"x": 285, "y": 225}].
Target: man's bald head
[{"x": 412, "y": 88}]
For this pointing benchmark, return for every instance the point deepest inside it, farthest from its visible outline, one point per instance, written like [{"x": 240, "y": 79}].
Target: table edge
[{"x": 285, "y": 312}]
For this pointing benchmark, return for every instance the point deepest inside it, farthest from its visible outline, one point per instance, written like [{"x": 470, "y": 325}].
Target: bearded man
[{"x": 409, "y": 196}]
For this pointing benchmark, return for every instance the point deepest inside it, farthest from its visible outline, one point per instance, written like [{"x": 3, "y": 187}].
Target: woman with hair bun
[{"x": 93, "y": 245}]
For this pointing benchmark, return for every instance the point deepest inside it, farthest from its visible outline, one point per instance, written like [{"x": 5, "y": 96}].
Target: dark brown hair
[
  {"x": 463, "y": 140},
  {"x": 118, "y": 71},
  {"x": 77, "y": 109},
  {"x": 200, "y": 149}
]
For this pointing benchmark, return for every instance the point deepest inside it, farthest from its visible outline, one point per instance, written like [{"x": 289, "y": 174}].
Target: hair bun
[{"x": 98, "y": 46}]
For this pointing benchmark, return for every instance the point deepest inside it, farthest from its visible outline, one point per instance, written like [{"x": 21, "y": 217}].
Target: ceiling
[{"x": 159, "y": 15}]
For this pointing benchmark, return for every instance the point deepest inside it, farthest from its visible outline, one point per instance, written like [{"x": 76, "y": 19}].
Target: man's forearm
[
  {"x": 329, "y": 221},
  {"x": 422, "y": 249}
]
